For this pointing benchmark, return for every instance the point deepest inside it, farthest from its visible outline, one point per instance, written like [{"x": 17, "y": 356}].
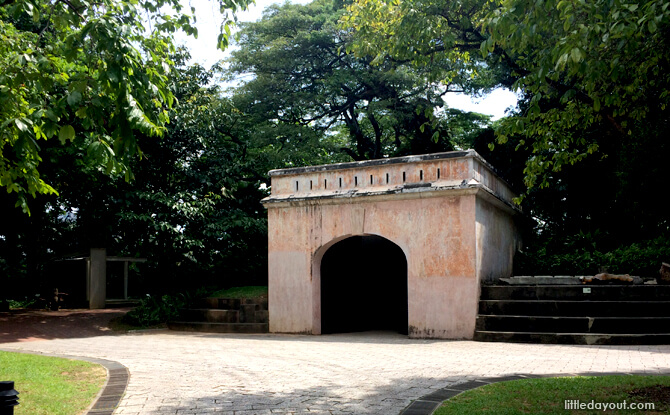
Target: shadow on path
[
  {"x": 407, "y": 396},
  {"x": 32, "y": 325}
]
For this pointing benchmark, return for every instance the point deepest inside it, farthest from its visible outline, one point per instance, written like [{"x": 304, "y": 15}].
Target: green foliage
[
  {"x": 87, "y": 74},
  {"x": 590, "y": 64},
  {"x": 309, "y": 96},
  {"x": 159, "y": 309},
  {"x": 193, "y": 209},
  {"x": 241, "y": 292},
  {"x": 25, "y": 303},
  {"x": 155, "y": 310},
  {"x": 582, "y": 67},
  {"x": 582, "y": 256},
  {"x": 440, "y": 37}
]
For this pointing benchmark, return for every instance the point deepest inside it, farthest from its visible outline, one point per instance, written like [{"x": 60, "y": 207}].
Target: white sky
[{"x": 204, "y": 52}]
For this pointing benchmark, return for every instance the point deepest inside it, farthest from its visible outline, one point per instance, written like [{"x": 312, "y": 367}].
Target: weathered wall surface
[
  {"x": 427, "y": 205},
  {"x": 289, "y": 259},
  {"x": 497, "y": 240}
]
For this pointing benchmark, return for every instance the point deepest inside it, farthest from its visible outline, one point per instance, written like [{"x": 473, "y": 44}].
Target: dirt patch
[
  {"x": 32, "y": 325},
  {"x": 657, "y": 394}
]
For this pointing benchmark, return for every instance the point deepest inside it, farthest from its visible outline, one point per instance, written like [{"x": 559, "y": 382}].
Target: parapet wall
[{"x": 431, "y": 172}]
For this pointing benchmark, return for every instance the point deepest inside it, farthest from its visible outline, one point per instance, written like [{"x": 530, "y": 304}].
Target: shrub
[
  {"x": 155, "y": 310},
  {"x": 641, "y": 258}
]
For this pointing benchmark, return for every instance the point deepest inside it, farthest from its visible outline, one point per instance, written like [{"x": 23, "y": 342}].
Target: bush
[
  {"x": 155, "y": 310},
  {"x": 642, "y": 258},
  {"x": 24, "y": 303}
]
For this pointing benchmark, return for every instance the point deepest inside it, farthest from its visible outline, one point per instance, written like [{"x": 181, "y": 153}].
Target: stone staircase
[
  {"x": 224, "y": 315},
  {"x": 574, "y": 314}
]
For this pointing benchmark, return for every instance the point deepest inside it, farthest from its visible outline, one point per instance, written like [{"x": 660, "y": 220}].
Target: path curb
[
  {"x": 115, "y": 385},
  {"x": 428, "y": 404}
]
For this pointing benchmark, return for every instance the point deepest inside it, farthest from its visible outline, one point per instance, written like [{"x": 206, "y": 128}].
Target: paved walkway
[{"x": 367, "y": 373}]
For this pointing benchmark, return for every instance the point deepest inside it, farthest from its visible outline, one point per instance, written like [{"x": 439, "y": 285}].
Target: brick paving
[{"x": 366, "y": 373}]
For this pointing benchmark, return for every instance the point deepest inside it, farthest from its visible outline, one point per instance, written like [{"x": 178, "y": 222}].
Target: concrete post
[
  {"x": 98, "y": 279},
  {"x": 125, "y": 280}
]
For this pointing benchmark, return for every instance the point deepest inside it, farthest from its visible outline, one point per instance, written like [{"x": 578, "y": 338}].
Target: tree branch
[
  {"x": 73, "y": 8},
  {"x": 378, "y": 133}
]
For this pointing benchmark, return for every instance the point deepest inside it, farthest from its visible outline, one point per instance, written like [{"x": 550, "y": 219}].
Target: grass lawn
[
  {"x": 547, "y": 396},
  {"x": 51, "y": 385},
  {"x": 242, "y": 292}
]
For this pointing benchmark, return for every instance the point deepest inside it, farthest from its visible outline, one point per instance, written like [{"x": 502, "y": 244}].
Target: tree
[
  {"x": 601, "y": 64},
  {"x": 91, "y": 75},
  {"x": 193, "y": 208},
  {"x": 579, "y": 64},
  {"x": 304, "y": 88}
]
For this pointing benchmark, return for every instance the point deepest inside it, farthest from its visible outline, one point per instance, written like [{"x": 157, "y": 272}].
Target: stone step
[
  {"x": 210, "y": 315},
  {"x": 196, "y": 326},
  {"x": 590, "y": 292},
  {"x": 114, "y": 303},
  {"x": 575, "y": 308},
  {"x": 573, "y": 338},
  {"x": 231, "y": 303},
  {"x": 563, "y": 324},
  {"x": 246, "y": 314}
]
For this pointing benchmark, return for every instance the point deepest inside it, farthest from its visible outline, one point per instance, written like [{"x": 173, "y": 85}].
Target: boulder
[
  {"x": 611, "y": 278},
  {"x": 664, "y": 274}
]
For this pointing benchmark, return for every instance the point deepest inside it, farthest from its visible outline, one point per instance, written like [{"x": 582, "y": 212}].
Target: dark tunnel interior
[{"x": 364, "y": 286}]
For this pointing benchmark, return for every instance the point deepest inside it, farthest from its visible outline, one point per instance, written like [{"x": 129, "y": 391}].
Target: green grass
[
  {"x": 242, "y": 292},
  {"x": 51, "y": 385},
  {"x": 547, "y": 396}
]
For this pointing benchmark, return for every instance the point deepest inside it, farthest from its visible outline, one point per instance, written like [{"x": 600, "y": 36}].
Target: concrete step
[
  {"x": 246, "y": 314},
  {"x": 573, "y": 338},
  {"x": 575, "y": 308},
  {"x": 196, "y": 326},
  {"x": 115, "y": 303},
  {"x": 563, "y": 324},
  {"x": 230, "y": 303},
  {"x": 591, "y": 292},
  {"x": 211, "y": 315}
]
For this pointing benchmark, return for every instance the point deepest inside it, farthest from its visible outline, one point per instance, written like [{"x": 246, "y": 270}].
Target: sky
[{"x": 204, "y": 52}]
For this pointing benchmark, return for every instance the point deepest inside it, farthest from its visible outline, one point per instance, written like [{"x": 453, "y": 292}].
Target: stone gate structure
[{"x": 332, "y": 227}]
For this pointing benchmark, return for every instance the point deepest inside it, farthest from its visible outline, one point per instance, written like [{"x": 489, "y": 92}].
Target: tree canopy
[
  {"x": 193, "y": 207},
  {"x": 89, "y": 74},
  {"x": 580, "y": 65},
  {"x": 297, "y": 76}
]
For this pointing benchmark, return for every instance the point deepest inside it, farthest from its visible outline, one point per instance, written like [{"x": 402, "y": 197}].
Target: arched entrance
[
  {"x": 364, "y": 286},
  {"x": 450, "y": 214}
]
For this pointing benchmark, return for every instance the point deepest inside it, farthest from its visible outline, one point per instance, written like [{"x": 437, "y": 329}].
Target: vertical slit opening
[
  {"x": 325, "y": 183},
  {"x": 421, "y": 175},
  {"x": 296, "y": 186},
  {"x": 310, "y": 185},
  {"x": 340, "y": 182},
  {"x": 404, "y": 176},
  {"x": 387, "y": 178},
  {"x": 438, "y": 173},
  {"x": 355, "y": 180},
  {"x": 371, "y": 180}
]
